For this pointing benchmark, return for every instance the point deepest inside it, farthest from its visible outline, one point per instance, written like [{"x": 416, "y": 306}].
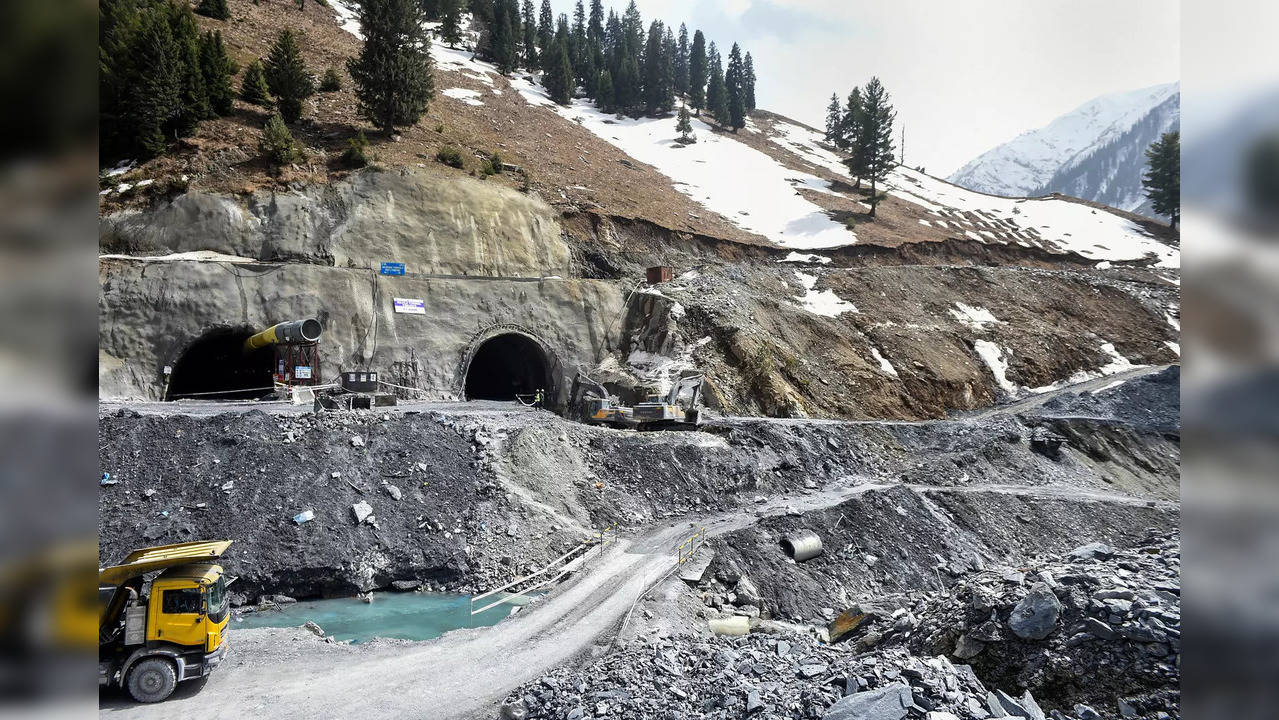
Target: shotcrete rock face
[
  {"x": 216, "y": 367},
  {"x": 507, "y": 365}
]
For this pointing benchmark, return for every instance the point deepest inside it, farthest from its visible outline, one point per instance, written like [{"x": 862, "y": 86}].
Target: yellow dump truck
[{"x": 151, "y": 637}]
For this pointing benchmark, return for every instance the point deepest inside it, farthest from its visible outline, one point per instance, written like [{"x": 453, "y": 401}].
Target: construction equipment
[
  {"x": 148, "y": 643},
  {"x": 660, "y": 411},
  {"x": 296, "y": 347},
  {"x": 292, "y": 332},
  {"x": 595, "y": 405}
]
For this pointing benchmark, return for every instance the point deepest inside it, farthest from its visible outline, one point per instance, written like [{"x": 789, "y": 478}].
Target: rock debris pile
[{"x": 1091, "y": 634}]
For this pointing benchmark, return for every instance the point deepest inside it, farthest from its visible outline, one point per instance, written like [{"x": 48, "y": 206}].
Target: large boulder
[
  {"x": 1035, "y": 616},
  {"x": 885, "y": 703}
]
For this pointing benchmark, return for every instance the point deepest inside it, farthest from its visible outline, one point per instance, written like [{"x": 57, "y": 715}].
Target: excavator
[
  {"x": 596, "y": 406},
  {"x": 148, "y": 643}
]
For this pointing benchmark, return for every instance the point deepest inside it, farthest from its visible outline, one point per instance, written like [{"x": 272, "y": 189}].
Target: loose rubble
[{"x": 1102, "y": 640}]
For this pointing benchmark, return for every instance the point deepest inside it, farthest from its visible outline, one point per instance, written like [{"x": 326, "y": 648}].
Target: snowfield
[
  {"x": 728, "y": 177},
  {"x": 1065, "y": 226},
  {"x": 1025, "y": 163}
]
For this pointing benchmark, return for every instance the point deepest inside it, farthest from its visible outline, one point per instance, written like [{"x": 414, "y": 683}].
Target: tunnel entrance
[
  {"x": 505, "y": 366},
  {"x": 216, "y": 367}
]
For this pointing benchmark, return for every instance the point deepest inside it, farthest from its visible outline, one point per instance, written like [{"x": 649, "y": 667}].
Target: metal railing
[
  {"x": 686, "y": 549},
  {"x": 562, "y": 564}
]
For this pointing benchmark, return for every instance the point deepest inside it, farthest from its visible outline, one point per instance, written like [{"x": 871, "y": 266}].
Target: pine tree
[
  {"x": 1162, "y": 179},
  {"x": 835, "y": 122},
  {"x": 502, "y": 39},
  {"x": 150, "y": 85},
  {"x": 626, "y": 86},
  {"x": 734, "y": 84},
  {"x": 557, "y": 72},
  {"x": 716, "y": 92},
  {"x": 545, "y": 27},
  {"x": 215, "y": 66},
  {"x": 481, "y": 11},
  {"x": 193, "y": 95},
  {"x": 393, "y": 72},
  {"x": 277, "y": 144},
  {"x": 604, "y": 92},
  {"x": 633, "y": 39},
  {"x": 215, "y": 9},
  {"x": 697, "y": 72},
  {"x": 852, "y": 135},
  {"x": 450, "y": 22},
  {"x": 332, "y": 81},
  {"x": 669, "y": 49},
  {"x": 528, "y": 35},
  {"x": 748, "y": 84},
  {"x": 654, "y": 85},
  {"x": 876, "y": 137},
  {"x": 581, "y": 52},
  {"x": 253, "y": 87},
  {"x": 681, "y": 62},
  {"x": 684, "y": 126},
  {"x": 595, "y": 34},
  {"x": 286, "y": 75}
]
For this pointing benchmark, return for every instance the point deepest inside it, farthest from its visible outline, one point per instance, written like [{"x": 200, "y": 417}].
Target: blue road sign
[{"x": 392, "y": 268}]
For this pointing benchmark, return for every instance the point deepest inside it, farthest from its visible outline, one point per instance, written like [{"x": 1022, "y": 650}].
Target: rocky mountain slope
[
  {"x": 789, "y": 298},
  {"x": 1095, "y": 152}
]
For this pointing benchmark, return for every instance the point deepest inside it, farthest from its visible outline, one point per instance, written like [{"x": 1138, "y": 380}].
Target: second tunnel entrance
[{"x": 507, "y": 365}]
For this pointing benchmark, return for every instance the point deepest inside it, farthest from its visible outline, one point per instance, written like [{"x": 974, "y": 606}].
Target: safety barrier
[
  {"x": 562, "y": 564},
  {"x": 686, "y": 549}
]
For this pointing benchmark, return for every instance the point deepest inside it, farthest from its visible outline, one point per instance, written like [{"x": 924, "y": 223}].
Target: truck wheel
[{"x": 152, "y": 680}]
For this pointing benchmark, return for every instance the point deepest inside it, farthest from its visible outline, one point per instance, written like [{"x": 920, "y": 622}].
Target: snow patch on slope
[
  {"x": 884, "y": 365},
  {"x": 470, "y": 97},
  {"x": 794, "y": 257},
  {"x": 1067, "y": 226},
  {"x": 974, "y": 317},
  {"x": 728, "y": 177},
  {"x": 993, "y": 356},
  {"x": 825, "y": 302}
]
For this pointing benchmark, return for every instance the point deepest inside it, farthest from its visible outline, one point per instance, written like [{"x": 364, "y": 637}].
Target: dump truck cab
[{"x": 150, "y": 639}]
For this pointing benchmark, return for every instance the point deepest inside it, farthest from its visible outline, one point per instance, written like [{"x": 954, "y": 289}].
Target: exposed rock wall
[
  {"x": 151, "y": 312},
  {"x": 461, "y": 227}
]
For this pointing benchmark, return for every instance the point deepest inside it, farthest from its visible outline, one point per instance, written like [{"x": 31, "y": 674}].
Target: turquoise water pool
[{"x": 406, "y": 616}]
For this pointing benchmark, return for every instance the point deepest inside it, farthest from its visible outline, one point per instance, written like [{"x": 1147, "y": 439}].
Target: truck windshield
[{"x": 217, "y": 600}]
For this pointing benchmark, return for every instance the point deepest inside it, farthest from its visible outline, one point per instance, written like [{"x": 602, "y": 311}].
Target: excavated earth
[
  {"x": 464, "y": 494},
  {"x": 953, "y": 523}
]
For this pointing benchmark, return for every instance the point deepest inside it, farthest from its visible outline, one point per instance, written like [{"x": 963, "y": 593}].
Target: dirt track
[
  {"x": 466, "y": 672},
  {"x": 285, "y": 673}
]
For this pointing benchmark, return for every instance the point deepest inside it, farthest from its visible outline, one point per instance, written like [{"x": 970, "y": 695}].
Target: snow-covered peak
[{"x": 1026, "y": 163}]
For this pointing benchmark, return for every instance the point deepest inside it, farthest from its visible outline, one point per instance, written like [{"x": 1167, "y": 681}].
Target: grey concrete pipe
[
  {"x": 295, "y": 331},
  {"x": 802, "y": 545}
]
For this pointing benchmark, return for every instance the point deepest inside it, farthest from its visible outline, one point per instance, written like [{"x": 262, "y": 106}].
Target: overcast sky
[{"x": 964, "y": 75}]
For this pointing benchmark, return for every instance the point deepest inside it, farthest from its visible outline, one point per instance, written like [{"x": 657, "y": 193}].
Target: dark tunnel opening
[
  {"x": 216, "y": 367},
  {"x": 507, "y": 365}
]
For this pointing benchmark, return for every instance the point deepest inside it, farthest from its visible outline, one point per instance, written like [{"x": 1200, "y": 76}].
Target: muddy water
[{"x": 406, "y": 616}]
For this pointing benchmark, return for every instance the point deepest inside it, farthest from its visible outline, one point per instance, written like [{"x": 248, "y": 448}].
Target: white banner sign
[
  {"x": 302, "y": 372},
  {"x": 410, "y": 306}
]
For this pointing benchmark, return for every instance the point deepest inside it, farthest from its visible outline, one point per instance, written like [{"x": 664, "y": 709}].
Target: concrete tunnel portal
[
  {"x": 507, "y": 365},
  {"x": 215, "y": 366}
]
